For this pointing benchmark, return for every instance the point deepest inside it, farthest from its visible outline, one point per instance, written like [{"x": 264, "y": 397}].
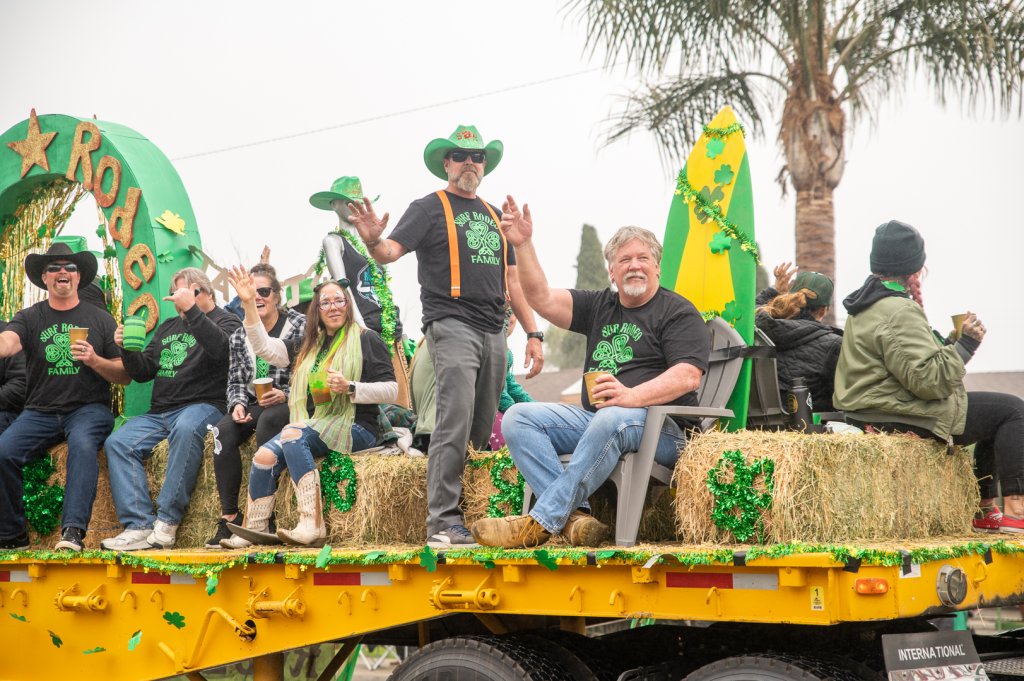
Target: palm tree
[{"x": 824, "y": 60}]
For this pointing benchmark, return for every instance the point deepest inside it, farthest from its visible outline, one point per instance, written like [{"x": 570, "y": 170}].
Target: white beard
[
  {"x": 635, "y": 286},
  {"x": 468, "y": 181}
]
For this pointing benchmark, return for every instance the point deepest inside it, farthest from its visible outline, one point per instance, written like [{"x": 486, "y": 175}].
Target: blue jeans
[
  {"x": 127, "y": 449},
  {"x": 298, "y": 457},
  {"x": 537, "y": 432},
  {"x": 28, "y": 438}
]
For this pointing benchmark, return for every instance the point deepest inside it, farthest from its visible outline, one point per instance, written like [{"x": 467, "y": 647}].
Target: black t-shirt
[
  {"x": 640, "y": 343},
  {"x": 357, "y": 270},
  {"x": 58, "y": 384},
  {"x": 187, "y": 360},
  {"x": 424, "y": 229}
]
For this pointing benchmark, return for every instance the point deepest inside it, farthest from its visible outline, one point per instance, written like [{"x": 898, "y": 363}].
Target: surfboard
[{"x": 710, "y": 256}]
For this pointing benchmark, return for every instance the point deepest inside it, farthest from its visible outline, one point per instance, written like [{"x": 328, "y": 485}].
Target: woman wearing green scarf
[{"x": 341, "y": 373}]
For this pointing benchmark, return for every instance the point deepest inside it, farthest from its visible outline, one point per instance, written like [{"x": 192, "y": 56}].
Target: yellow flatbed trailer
[{"x": 110, "y": 616}]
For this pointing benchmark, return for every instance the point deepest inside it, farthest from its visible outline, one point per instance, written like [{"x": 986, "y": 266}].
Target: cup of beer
[
  {"x": 319, "y": 388},
  {"x": 262, "y": 386},
  {"x": 590, "y": 379},
  {"x": 78, "y": 333},
  {"x": 134, "y": 334},
  {"x": 958, "y": 325}
]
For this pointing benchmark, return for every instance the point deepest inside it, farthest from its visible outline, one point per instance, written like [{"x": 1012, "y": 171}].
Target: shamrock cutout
[
  {"x": 509, "y": 495},
  {"x": 545, "y": 559},
  {"x": 710, "y": 196},
  {"x": 175, "y": 619},
  {"x": 101, "y": 231},
  {"x": 732, "y": 313},
  {"x": 324, "y": 556},
  {"x": 20, "y": 618},
  {"x": 55, "y": 639},
  {"x": 211, "y": 584},
  {"x": 374, "y": 556},
  {"x": 606, "y": 555},
  {"x": 481, "y": 238},
  {"x": 715, "y": 147},
  {"x": 428, "y": 559},
  {"x": 724, "y": 174},
  {"x": 165, "y": 256},
  {"x": 97, "y": 649},
  {"x": 720, "y": 242},
  {"x": 610, "y": 355},
  {"x": 110, "y": 252},
  {"x": 738, "y": 504},
  {"x": 485, "y": 561},
  {"x": 59, "y": 351},
  {"x": 134, "y": 641}
]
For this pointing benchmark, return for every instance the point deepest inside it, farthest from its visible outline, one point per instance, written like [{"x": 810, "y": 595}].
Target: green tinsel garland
[
  {"x": 43, "y": 501},
  {"x": 721, "y": 133},
  {"x": 338, "y": 468},
  {"x": 714, "y": 211},
  {"x": 737, "y": 504},
  {"x": 509, "y": 494}
]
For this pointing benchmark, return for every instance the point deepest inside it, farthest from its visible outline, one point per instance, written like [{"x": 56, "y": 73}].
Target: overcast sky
[{"x": 196, "y": 77}]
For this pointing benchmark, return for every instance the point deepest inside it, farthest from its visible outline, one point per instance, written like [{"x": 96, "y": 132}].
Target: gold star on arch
[{"x": 32, "y": 149}]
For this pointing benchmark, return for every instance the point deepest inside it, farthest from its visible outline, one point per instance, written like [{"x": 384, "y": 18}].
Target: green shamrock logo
[
  {"x": 732, "y": 313},
  {"x": 738, "y": 504},
  {"x": 174, "y": 355},
  {"x": 481, "y": 238},
  {"x": 712, "y": 196},
  {"x": 59, "y": 351},
  {"x": 610, "y": 355}
]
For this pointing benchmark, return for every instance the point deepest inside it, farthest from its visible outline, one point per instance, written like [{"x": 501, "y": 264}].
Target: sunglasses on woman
[
  {"x": 264, "y": 291},
  {"x": 68, "y": 267},
  {"x": 461, "y": 156}
]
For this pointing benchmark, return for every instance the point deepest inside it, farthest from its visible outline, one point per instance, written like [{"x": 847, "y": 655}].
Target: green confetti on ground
[
  {"x": 55, "y": 639},
  {"x": 428, "y": 559},
  {"x": 175, "y": 619},
  {"x": 133, "y": 642},
  {"x": 20, "y": 618},
  {"x": 323, "y": 559},
  {"x": 211, "y": 584},
  {"x": 545, "y": 559},
  {"x": 97, "y": 649},
  {"x": 605, "y": 555}
]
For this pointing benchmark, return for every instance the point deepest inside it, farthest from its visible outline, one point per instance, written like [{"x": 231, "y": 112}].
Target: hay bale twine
[{"x": 833, "y": 488}]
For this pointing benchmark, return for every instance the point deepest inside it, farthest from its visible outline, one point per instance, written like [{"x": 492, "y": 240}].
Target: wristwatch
[
  {"x": 539, "y": 335},
  {"x": 351, "y": 388}
]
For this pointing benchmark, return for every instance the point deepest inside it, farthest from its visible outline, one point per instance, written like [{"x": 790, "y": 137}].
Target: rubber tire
[
  {"x": 481, "y": 658},
  {"x": 561, "y": 649},
  {"x": 773, "y": 667}
]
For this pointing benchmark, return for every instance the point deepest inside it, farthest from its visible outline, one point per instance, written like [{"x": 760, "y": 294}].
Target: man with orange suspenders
[{"x": 466, "y": 272}]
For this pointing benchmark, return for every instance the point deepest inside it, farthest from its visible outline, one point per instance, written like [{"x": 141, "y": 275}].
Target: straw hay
[{"x": 835, "y": 488}]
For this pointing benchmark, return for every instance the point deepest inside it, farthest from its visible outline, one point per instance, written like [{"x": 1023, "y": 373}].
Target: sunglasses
[
  {"x": 461, "y": 156},
  {"x": 68, "y": 267},
  {"x": 265, "y": 291},
  {"x": 337, "y": 302}
]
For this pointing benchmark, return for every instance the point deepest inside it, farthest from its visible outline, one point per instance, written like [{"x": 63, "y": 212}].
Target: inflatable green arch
[{"x": 148, "y": 214}]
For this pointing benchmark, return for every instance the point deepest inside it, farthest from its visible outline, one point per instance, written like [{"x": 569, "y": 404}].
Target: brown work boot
[
  {"x": 583, "y": 529},
  {"x": 515, "y": 532}
]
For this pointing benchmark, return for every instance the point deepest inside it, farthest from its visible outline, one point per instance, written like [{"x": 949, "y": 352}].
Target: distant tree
[{"x": 566, "y": 349}]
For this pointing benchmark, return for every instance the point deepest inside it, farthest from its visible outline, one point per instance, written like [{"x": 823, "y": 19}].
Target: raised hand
[
  {"x": 784, "y": 274},
  {"x": 243, "y": 283},
  {"x": 366, "y": 222},
  {"x": 184, "y": 299},
  {"x": 515, "y": 223}
]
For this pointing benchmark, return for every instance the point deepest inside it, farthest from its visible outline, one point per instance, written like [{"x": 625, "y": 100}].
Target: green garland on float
[
  {"x": 738, "y": 504},
  {"x": 722, "y": 133},
  {"x": 714, "y": 211},
  {"x": 336, "y": 469},
  {"x": 43, "y": 502},
  {"x": 509, "y": 497}
]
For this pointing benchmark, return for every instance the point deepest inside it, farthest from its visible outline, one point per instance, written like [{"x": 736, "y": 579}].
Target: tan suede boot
[
  {"x": 255, "y": 527},
  {"x": 514, "y": 532},
  {"x": 583, "y": 529},
  {"x": 311, "y": 529}
]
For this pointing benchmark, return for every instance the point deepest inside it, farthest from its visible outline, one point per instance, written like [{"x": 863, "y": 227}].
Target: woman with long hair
[
  {"x": 341, "y": 372},
  {"x": 252, "y": 410}
]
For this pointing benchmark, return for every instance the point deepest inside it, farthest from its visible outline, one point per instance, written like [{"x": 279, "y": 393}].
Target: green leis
[
  {"x": 336, "y": 469},
  {"x": 714, "y": 211},
  {"x": 43, "y": 501},
  {"x": 509, "y": 497},
  {"x": 721, "y": 133},
  {"x": 738, "y": 504}
]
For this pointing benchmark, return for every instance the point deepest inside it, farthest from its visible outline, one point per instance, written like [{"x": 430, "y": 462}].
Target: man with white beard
[
  {"x": 466, "y": 272},
  {"x": 653, "y": 345}
]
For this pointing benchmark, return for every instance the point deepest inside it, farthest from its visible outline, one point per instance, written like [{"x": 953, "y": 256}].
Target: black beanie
[{"x": 897, "y": 249}]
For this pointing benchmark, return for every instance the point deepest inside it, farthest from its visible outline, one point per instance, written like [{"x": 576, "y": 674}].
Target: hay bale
[
  {"x": 478, "y": 486},
  {"x": 834, "y": 488}
]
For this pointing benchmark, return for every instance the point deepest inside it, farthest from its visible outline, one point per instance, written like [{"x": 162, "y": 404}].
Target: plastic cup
[
  {"x": 958, "y": 325},
  {"x": 318, "y": 387},
  {"x": 590, "y": 379},
  {"x": 78, "y": 333},
  {"x": 262, "y": 386},
  {"x": 134, "y": 334}
]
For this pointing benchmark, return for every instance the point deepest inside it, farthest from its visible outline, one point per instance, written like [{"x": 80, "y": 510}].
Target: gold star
[{"x": 32, "y": 149}]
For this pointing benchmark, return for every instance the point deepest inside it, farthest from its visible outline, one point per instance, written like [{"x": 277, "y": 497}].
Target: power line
[{"x": 393, "y": 114}]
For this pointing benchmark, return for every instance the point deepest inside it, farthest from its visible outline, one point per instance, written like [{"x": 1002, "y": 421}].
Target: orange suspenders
[{"x": 453, "y": 244}]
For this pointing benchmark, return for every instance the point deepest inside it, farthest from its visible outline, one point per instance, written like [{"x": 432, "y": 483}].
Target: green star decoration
[
  {"x": 428, "y": 559},
  {"x": 97, "y": 649},
  {"x": 134, "y": 641},
  {"x": 720, "y": 242},
  {"x": 715, "y": 147},
  {"x": 545, "y": 559},
  {"x": 211, "y": 584},
  {"x": 724, "y": 174},
  {"x": 55, "y": 639},
  {"x": 738, "y": 504},
  {"x": 175, "y": 619},
  {"x": 324, "y": 557}
]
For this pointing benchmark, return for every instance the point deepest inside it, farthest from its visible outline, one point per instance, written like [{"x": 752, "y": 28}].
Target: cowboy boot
[
  {"x": 256, "y": 525},
  {"x": 311, "y": 529}
]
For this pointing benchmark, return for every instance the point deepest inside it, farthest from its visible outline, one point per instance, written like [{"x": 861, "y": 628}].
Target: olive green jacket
[{"x": 892, "y": 368}]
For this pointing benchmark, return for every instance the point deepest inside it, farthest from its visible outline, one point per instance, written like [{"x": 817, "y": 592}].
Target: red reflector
[
  {"x": 336, "y": 579},
  {"x": 698, "y": 580},
  {"x": 150, "y": 578}
]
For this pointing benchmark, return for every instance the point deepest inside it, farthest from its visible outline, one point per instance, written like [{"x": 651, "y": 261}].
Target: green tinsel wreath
[
  {"x": 509, "y": 494},
  {"x": 43, "y": 501},
  {"x": 337, "y": 469},
  {"x": 738, "y": 504}
]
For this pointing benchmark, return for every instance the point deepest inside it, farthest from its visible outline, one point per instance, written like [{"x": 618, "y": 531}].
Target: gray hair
[
  {"x": 195, "y": 276},
  {"x": 627, "y": 234}
]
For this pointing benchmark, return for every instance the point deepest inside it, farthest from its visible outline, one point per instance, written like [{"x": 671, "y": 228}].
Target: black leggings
[
  {"x": 227, "y": 464},
  {"x": 995, "y": 426}
]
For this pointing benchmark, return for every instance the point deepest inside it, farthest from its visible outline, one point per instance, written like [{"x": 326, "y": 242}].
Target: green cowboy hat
[
  {"x": 464, "y": 137},
  {"x": 347, "y": 188}
]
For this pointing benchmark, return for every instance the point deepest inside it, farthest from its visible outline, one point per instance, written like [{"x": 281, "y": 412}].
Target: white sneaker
[
  {"x": 129, "y": 540},
  {"x": 163, "y": 535}
]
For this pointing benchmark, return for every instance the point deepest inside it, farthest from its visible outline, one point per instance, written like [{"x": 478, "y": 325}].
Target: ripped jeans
[{"x": 298, "y": 455}]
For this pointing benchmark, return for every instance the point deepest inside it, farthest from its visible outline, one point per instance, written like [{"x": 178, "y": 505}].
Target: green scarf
[{"x": 331, "y": 420}]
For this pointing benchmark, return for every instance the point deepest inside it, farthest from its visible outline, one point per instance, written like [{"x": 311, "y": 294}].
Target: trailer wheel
[
  {"x": 484, "y": 658},
  {"x": 774, "y": 667}
]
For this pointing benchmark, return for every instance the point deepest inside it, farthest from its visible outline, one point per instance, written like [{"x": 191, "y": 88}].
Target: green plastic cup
[
  {"x": 318, "y": 387},
  {"x": 134, "y": 334}
]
